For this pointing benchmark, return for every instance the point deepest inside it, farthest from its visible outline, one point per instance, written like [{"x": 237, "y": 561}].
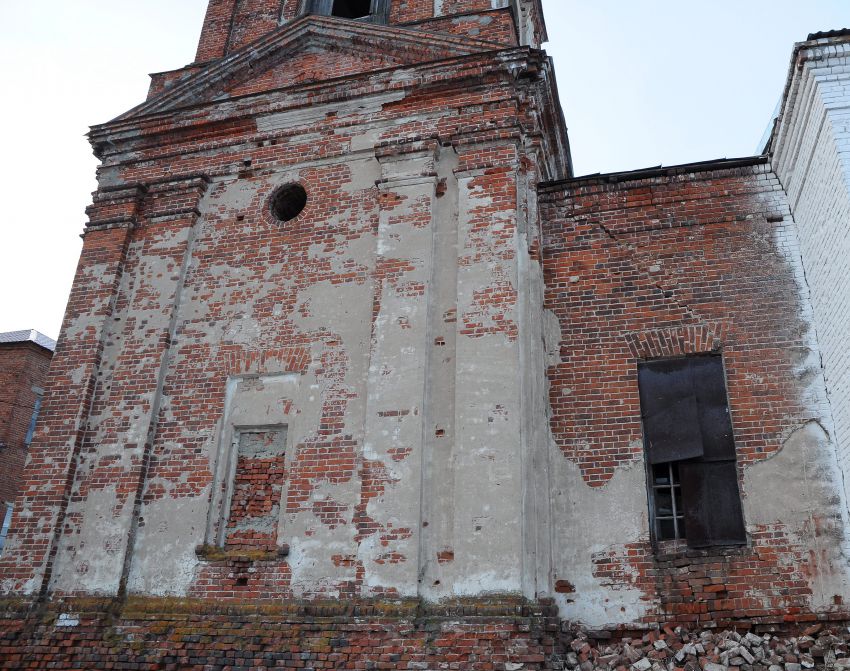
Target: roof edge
[
  {"x": 824, "y": 34},
  {"x": 657, "y": 171},
  {"x": 813, "y": 41},
  {"x": 28, "y": 336}
]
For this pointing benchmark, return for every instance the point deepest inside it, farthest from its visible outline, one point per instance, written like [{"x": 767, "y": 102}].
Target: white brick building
[{"x": 810, "y": 149}]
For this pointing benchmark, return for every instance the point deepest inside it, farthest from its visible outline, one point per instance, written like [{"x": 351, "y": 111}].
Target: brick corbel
[
  {"x": 115, "y": 207},
  {"x": 175, "y": 198}
]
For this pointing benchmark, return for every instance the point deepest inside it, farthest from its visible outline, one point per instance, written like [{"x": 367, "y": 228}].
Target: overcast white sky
[{"x": 642, "y": 82}]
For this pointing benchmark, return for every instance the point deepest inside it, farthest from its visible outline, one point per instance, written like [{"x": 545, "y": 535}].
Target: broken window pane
[
  {"x": 666, "y": 502},
  {"x": 33, "y": 419}
]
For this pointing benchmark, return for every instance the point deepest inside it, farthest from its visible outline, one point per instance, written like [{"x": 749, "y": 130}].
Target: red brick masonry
[{"x": 23, "y": 366}]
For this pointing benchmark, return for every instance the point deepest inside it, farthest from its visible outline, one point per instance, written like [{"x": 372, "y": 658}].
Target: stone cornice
[
  {"x": 308, "y": 31},
  {"x": 218, "y": 116}
]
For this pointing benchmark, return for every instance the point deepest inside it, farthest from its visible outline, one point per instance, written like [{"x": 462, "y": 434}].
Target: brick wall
[
  {"x": 391, "y": 334},
  {"x": 380, "y": 326},
  {"x": 811, "y": 153},
  {"x": 232, "y": 24},
  {"x": 692, "y": 260},
  {"x": 23, "y": 370},
  {"x": 195, "y": 636}
]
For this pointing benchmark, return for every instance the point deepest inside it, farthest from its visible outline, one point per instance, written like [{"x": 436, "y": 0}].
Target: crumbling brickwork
[
  {"x": 158, "y": 634},
  {"x": 199, "y": 316},
  {"x": 232, "y": 24},
  {"x": 686, "y": 261}
]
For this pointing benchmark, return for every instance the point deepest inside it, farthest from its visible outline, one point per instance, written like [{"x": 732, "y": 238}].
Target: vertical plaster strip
[{"x": 165, "y": 363}]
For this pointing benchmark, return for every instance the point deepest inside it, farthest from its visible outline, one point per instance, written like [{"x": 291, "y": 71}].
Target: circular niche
[{"x": 288, "y": 201}]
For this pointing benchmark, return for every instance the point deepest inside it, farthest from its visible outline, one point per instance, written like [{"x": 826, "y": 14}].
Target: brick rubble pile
[{"x": 681, "y": 650}]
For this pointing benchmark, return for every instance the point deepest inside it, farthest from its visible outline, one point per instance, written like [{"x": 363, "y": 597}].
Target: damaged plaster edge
[{"x": 816, "y": 397}]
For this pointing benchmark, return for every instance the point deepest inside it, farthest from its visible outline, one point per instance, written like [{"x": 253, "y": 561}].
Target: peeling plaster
[
  {"x": 797, "y": 488},
  {"x": 599, "y": 519}
]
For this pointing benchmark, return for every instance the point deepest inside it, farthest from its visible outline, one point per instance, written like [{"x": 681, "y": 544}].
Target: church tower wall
[
  {"x": 373, "y": 347},
  {"x": 229, "y": 25}
]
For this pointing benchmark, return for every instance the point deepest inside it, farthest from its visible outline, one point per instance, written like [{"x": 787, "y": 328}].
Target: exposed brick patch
[
  {"x": 660, "y": 268},
  {"x": 766, "y": 582},
  {"x": 313, "y": 66},
  {"x": 258, "y": 484}
]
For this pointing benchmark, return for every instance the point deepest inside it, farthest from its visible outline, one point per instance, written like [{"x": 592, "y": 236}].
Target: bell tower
[
  {"x": 302, "y": 358},
  {"x": 231, "y": 24}
]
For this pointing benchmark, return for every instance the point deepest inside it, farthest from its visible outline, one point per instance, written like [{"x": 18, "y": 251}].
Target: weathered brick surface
[
  {"x": 23, "y": 370},
  {"x": 197, "y": 314},
  {"x": 51, "y": 465},
  {"x": 196, "y": 637},
  {"x": 691, "y": 261},
  {"x": 387, "y": 348},
  {"x": 670, "y": 263},
  {"x": 230, "y": 25}
]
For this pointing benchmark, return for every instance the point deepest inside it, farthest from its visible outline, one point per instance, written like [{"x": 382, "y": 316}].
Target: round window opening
[{"x": 288, "y": 201}]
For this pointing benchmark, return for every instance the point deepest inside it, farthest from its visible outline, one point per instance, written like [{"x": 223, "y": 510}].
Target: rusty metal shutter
[
  {"x": 712, "y": 504},
  {"x": 670, "y": 411},
  {"x": 714, "y": 419}
]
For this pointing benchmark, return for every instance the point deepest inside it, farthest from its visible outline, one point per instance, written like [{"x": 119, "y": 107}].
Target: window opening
[
  {"x": 288, "y": 202},
  {"x": 4, "y": 529},
  {"x": 690, "y": 450},
  {"x": 33, "y": 419},
  {"x": 371, "y": 11},
  {"x": 667, "y": 499},
  {"x": 352, "y": 9}
]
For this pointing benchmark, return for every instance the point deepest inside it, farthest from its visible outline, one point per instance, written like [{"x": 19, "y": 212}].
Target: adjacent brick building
[
  {"x": 356, "y": 374},
  {"x": 680, "y": 264},
  {"x": 24, "y": 361}
]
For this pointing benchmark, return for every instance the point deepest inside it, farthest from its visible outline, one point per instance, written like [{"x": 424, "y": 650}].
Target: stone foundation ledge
[{"x": 143, "y": 607}]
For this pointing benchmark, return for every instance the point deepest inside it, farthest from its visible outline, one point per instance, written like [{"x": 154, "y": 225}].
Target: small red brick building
[{"x": 24, "y": 361}]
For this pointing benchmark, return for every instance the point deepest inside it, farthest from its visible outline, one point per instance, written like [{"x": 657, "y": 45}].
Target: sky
[{"x": 642, "y": 83}]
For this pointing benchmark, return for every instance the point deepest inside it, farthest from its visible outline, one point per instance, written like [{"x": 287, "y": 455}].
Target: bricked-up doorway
[{"x": 256, "y": 489}]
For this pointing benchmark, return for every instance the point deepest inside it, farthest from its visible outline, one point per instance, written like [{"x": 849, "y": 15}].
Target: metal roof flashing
[{"x": 31, "y": 335}]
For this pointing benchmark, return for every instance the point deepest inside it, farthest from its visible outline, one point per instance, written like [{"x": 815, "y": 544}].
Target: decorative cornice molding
[{"x": 309, "y": 30}]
